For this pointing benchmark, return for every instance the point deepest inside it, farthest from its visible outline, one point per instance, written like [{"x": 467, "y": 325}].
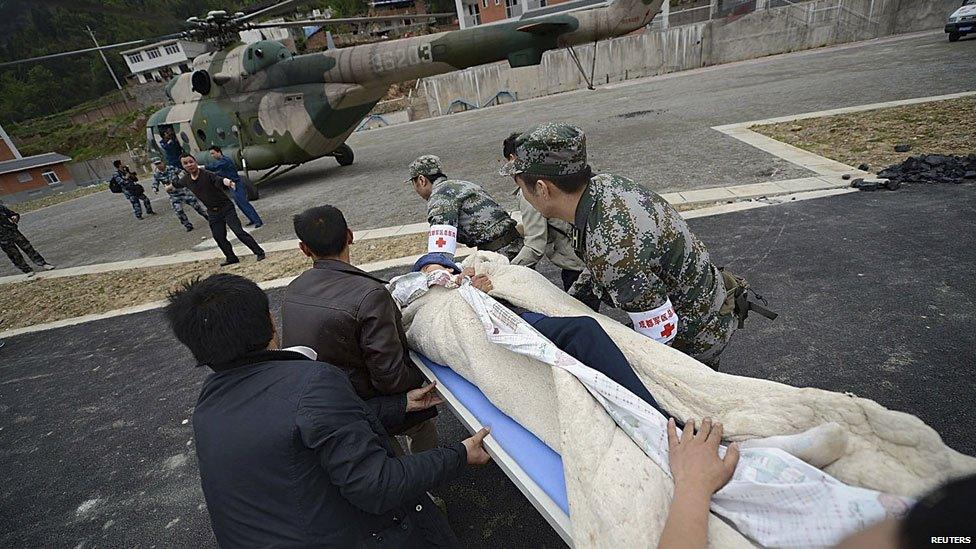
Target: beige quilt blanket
[{"x": 618, "y": 497}]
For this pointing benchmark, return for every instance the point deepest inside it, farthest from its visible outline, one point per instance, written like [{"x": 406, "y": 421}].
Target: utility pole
[{"x": 109, "y": 67}]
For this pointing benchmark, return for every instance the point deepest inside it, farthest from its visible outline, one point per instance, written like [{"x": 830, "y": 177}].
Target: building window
[
  {"x": 51, "y": 178},
  {"x": 511, "y": 8},
  {"x": 498, "y": 2},
  {"x": 484, "y": 3},
  {"x": 24, "y": 177},
  {"x": 152, "y": 54},
  {"x": 172, "y": 49},
  {"x": 135, "y": 58},
  {"x": 543, "y": 3}
]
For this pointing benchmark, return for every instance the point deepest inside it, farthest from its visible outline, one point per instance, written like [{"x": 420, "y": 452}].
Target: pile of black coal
[{"x": 932, "y": 168}]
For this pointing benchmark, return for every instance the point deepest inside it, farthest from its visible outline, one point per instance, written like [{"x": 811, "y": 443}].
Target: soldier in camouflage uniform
[
  {"x": 12, "y": 242},
  {"x": 131, "y": 189},
  {"x": 480, "y": 222},
  {"x": 169, "y": 178},
  {"x": 640, "y": 254}
]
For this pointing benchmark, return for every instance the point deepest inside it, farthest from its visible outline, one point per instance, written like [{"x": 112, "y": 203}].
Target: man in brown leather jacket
[{"x": 350, "y": 319}]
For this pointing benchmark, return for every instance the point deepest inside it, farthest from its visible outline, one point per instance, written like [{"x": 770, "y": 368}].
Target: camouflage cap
[
  {"x": 548, "y": 149},
  {"x": 427, "y": 165},
  {"x": 157, "y": 160}
]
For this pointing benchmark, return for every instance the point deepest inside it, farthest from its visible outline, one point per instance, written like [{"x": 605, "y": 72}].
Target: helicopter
[{"x": 270, "y": 109}]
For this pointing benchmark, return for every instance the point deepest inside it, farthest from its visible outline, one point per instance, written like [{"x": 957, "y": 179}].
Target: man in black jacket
[
  {"x": 350, "y": 319},
  {"x": 289, "y": 456},
  {"x": 211, "y": 189}
]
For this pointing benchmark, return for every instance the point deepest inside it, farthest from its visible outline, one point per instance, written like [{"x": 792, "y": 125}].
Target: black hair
[
  {"x": 116, "y": 163},
  {"x": 323, "y": 229},
  {"x": 945, "y": 512},
  {"x": 570, "y": 183},
  {"x": 220, "y": 318},
  {"x": 509, "y": 145},
  {"x": 186, "y": 154},
  {"x": 216, "y": 148}
]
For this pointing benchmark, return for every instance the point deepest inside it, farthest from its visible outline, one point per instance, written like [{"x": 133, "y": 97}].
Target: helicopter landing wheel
[
  {"x": 344, "y": 155},
  {"x": 251, "y": 189}
]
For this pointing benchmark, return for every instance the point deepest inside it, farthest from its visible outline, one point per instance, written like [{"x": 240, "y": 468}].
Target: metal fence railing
[{"x": 802, "y": 13}]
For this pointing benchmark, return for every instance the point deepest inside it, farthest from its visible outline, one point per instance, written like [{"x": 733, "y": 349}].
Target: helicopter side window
[
  {"x": 202, "y": 135},
  {"x": 184, "y": 138},
  {"x": 256, "y": 127},
  {"x": 200, "y": 82},
  {"x": 221, "y": 133}
]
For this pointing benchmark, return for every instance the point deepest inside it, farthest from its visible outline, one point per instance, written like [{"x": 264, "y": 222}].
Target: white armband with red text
[
  {"x": 659, "y": 324},
  {"x": 442, "y": 239}
]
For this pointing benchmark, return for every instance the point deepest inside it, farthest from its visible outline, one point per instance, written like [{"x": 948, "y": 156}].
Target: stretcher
[{"x": 531, "y": 465}]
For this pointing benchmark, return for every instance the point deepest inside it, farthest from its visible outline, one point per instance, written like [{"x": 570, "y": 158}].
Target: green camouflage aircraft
[{"x": 268, "y": 108}]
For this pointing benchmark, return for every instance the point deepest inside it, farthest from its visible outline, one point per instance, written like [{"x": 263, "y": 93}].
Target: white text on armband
[
  {"x": 442, "y": 238},
  {"x": 660, "y": 324}
]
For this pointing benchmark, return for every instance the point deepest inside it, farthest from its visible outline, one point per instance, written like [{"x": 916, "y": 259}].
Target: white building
[{"x": 158, "y": 62}]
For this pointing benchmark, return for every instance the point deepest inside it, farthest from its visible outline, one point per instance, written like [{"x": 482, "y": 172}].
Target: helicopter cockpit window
[
  {"x": 202, "y": 135},
  {"x": 258, "y": 52},
  {"x": 200, "y": 82},
  {"x": 257, "y": 128}
]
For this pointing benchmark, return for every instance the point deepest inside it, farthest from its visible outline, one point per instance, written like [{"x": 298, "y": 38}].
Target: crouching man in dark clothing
[{"x": 289, "y": 456}]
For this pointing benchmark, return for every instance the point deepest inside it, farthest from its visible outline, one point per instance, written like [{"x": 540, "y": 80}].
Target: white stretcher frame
[{"x": 554, "y": 515}]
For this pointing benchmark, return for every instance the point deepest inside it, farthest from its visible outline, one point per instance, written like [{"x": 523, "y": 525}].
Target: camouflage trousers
[
  {"x": 135, "y": 201},
  {"x": 12, "y": 242},
  {"x": 183, "y": 196},
  {"x": 705, "y": 338}
]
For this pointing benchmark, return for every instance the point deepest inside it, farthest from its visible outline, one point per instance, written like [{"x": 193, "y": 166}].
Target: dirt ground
[
  {"x": 870, "y": 137},
  {"x": 48, "y": 300}
]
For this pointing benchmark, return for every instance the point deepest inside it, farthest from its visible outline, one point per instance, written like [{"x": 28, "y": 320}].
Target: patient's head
[
  {"x": 436, "y": 261},
  {"x": 323, "y": 233},
  {"x": 221, "y": 318}
]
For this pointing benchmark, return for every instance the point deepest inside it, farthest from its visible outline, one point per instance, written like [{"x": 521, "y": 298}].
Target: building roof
[
  {"x": 36, "y": 161},
  {"x": 150, "y": 46}
]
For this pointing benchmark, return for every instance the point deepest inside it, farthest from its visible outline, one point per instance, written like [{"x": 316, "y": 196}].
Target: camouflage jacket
[
  {"x": 640, "y": 252},
  {"x": 462, "y": 204},
  {"x": 169, "y": 176}
]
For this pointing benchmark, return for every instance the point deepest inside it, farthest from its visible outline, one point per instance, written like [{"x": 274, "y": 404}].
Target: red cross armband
[
  {"x": 442, "y": 239},
  {"x": 660, "y": 324}
]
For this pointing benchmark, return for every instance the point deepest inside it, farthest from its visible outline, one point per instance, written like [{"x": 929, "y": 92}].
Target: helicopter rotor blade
[
  {"x": 284, "y": 5},
  {"x": 344, "y": 20},
  {"x": 92, "y": 49}
]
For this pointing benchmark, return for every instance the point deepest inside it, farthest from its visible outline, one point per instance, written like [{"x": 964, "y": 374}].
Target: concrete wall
[
  {"x": 764, "y": 32},
  {"x": 100, "y": 170}
]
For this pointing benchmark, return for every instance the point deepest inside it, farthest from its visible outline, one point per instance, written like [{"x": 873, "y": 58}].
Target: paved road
[
  {"x": 656, "y": 130},
  {"x": 874, "y": 291}
]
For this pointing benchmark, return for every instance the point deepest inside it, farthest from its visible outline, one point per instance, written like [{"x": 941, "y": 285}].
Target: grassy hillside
[{"x": 82, "y": 141}]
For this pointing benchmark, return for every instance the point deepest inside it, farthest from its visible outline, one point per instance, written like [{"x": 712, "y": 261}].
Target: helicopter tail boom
[{"x": 521, "y": 43}]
